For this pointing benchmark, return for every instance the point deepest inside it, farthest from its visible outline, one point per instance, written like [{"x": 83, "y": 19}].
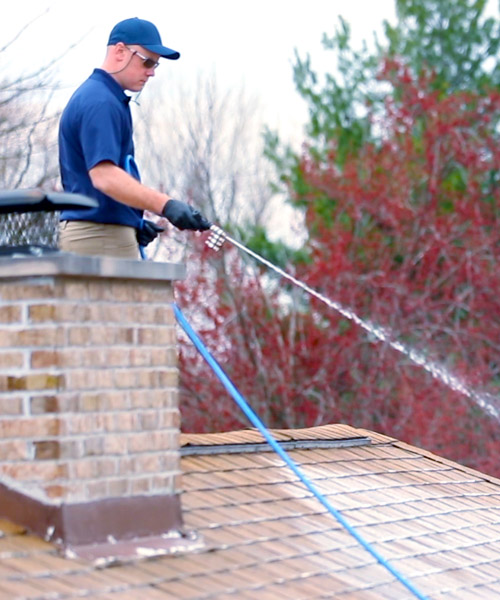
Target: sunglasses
[{"x": 148, "y": 63}]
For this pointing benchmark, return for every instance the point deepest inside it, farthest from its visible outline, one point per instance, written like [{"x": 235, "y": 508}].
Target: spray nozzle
[{"x": 216, "y": 239}]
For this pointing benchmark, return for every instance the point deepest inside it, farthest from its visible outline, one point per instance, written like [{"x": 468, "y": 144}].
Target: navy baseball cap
[{"x": 142, "y": 33}]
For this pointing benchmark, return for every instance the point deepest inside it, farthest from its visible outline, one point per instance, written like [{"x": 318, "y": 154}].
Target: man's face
[{"x": 140, "y": 67}]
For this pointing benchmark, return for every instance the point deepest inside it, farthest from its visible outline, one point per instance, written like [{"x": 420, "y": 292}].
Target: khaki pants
[{"x": 85, "y": 237}]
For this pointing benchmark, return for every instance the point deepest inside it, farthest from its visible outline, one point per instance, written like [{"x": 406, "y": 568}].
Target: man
[{"x": 96, "y": 152}]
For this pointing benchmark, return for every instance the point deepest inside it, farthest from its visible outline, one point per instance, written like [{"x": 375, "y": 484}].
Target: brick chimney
[{"x": 89, "y": 416}]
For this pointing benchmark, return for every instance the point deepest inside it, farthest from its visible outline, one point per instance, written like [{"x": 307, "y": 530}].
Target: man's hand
[
  {"x": 184, "y": 216},
  {"x": 147, "y": 232}
]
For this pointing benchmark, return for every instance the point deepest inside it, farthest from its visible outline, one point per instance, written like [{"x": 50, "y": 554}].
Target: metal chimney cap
[{"x": 36, "y": 200}]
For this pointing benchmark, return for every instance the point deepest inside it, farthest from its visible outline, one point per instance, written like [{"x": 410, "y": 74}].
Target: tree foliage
[
  {"x": 398, "y": 181},
  {"x": 455, "y": 40},
  {"x": 205, "y": 147},
  {"x": 28, "y": 121},
  {"x": 412, "y": 242},
  {"x": 28, "y": 141}
]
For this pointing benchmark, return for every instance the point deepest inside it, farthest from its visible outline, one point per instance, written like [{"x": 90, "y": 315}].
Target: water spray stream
[{"x": 484, "y": 401}]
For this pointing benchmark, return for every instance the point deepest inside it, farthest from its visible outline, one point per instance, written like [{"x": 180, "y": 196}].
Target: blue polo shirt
[{"x": 96, "y": 126}]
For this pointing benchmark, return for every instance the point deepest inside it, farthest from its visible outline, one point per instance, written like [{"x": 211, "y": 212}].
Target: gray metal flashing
[
  {"x": 206, "y": 449},
  {"x": 68, "y": 263}
]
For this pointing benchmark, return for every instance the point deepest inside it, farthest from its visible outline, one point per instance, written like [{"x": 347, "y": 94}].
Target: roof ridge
[{"x": 321, "y": 433}]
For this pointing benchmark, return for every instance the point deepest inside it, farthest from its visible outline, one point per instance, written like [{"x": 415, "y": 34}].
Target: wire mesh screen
[{"x": 25, "y": 229}]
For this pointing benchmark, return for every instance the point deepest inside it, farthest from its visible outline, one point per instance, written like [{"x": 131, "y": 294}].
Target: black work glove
[
  {"x": 184, "y": 216},
  {"x": 147, "y": 232}
]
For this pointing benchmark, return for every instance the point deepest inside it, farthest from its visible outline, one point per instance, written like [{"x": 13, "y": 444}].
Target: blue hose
[
  {"x": 132, "y": 169},
  {"x": 257, "y": 423}
]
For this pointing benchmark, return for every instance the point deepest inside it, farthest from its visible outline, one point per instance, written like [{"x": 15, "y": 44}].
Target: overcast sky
[{"x": 248, "y": 44}]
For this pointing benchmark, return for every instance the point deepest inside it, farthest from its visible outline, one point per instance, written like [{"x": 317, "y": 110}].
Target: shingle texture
[{"x": 267, "y": 538}]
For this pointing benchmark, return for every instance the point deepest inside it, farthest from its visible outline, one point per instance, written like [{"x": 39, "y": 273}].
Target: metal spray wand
[{"x": 484, "y": 401}]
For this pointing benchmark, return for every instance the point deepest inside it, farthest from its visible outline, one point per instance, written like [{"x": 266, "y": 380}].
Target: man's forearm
[{"x": 119, "y": 185}]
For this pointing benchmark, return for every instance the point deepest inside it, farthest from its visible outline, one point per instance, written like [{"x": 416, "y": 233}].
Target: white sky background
[{"x": 244, "y": 44}]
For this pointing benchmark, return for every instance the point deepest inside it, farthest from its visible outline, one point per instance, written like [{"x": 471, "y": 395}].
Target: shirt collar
[{"x": 111, "y": 84}]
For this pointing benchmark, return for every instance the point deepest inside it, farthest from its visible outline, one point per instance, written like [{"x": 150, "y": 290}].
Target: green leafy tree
[{"x": 455, "y": 40}]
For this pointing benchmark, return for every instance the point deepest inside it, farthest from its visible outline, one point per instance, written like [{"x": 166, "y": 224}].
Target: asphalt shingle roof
[{"x": 266, "y": 537}]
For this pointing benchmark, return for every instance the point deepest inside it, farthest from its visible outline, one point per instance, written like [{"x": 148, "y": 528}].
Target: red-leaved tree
[
  {"x": 406, "y": 235},
  {"x": 412, "y": 243}
]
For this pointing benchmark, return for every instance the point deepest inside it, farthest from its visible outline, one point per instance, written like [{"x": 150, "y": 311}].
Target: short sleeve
[{"x": 101, "y": 133}]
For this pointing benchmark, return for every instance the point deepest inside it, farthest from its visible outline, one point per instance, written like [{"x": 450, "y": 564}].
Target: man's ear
[{"x": 119, "y": 51}]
